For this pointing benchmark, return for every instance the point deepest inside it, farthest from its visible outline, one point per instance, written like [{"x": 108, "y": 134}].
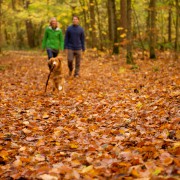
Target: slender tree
[
  {"x": 129, "y": 58},
  {"x": 170, "y": 22},
  {"x": 92, "y": 23},
  {"x": 99, "y": 26},
  {"x": 29, "y": 28},
  {"x": 110, "y": 20},
  {"x": 0, "y": 26},
  {"x": 123, "y": 19},
  {"x": 177, "y": 29},
  {"x": 152, "y": 28},
  {"x": 113, "y": 25},
  {"x": 19, "y": 41}
]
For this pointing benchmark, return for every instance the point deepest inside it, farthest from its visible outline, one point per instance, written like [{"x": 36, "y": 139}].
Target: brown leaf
[
  {"x": 166, "y": 158},
  {"x": 17, "y": 163},
  {"x": 26, "y": 131},
  {"x": 48, "y": 177}
]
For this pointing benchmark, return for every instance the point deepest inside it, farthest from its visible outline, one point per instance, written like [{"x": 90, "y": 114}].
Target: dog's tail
[{"x": 49, "y": 77}]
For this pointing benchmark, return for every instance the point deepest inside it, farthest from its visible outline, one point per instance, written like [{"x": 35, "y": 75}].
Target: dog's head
[{"x": 55, "y": 63}]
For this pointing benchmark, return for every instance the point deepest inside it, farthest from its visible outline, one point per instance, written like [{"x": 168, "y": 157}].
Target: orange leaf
[{"x": 4, "y": 154}]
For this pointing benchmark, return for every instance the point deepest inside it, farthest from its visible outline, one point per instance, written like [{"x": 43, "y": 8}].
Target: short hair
[{"x": 75, "y": 16}]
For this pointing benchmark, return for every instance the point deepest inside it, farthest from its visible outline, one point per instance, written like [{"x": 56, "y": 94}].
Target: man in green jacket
[{"x": 53, "y": 40}]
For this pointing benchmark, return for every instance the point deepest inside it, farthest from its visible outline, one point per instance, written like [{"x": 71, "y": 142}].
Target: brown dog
[{"x": 55, "y": 65}]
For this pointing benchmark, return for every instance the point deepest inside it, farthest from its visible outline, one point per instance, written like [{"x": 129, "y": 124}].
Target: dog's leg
[
  {"x": 60, "y": 88},
  {"x": 54, "y": 85},
  {"x": 61, "y": 85}
]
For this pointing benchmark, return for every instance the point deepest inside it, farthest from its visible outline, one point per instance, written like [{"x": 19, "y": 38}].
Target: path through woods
[{"x": 115, "y": 122}]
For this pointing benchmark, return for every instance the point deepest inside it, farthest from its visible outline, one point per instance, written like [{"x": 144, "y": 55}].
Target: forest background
[{"x": 109, "y": 25}]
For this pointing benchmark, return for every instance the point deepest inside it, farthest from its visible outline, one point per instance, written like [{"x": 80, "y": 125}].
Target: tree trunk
[
  {"x": 37, "y": 34},
  {"x": 152, "y": 29},
  {"x": 129, "y": 58},
  {"x": 13, "y": 2},
  {"x": 115, "y": 43},
  {"x": 110, "y": 27},
  {"x": 92, "y": 23},
  {"x": 0, "y": 26},
  {"x": 19, "y": 37},
  {"x": 30, "y": 33},
  {"x": 170, "y": 24},
  {"x": 99, "y": 26},
  {"x": 123, "y": 20},
  {"x": 177, "y": 28},
  {"x": 113, "y": 25},
  {"x": 19, "y": 42},
  {"x": 29, "y": 29},
  {"x": 86, "y": 25}
]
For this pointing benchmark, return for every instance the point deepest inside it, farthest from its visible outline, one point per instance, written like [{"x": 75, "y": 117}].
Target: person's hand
[
  {"x": 65, "y": 51},
  {"x": 83, "y": 52}
]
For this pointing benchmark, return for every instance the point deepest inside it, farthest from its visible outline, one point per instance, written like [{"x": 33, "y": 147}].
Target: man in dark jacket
[{"x": 74, "y": 43}]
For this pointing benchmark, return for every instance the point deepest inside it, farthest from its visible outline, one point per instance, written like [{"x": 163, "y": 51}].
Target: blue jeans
[{"x": 52, "y": 53}]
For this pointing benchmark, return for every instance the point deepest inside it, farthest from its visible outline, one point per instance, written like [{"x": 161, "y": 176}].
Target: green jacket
[{"x": 53, "y": 39}]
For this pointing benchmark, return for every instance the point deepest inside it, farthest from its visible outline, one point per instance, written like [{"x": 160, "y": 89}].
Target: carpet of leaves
[{"x": 116, "y": 121}]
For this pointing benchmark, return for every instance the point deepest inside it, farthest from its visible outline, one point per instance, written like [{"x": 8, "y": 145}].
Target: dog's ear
[
  {"x": 50, "y": 60},
  {"x": 60, "y": 59}
]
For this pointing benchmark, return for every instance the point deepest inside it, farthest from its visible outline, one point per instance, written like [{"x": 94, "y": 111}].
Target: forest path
[{"x": 115, "y": 121}]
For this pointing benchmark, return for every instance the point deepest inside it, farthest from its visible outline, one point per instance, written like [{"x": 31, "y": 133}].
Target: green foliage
[
  {"x": 165, "y": 46},
  {"x": 137, "y": 44}
]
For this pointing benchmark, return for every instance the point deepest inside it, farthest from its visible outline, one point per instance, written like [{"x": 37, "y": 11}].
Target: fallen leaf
[
  {"x": 73, "y": 145},
  {"x": 4, "y": 154},
  {"x": 26, "y": 131},
  {"x": 17, "y": 163},
  {"x": 166, "y": 158},
  {"x": 87, "y": 169},
  {"x": 45, "y": 115},
  {"x": 48, "y": 177},
  {"x": 39, "y": 157}
]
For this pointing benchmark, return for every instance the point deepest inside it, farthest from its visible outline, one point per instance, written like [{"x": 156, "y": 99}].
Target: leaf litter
[{"x": 114, "y": 122}]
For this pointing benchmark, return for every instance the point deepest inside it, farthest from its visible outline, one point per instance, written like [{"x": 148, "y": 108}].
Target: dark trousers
[
  {"x": 77, "y": 55},
  {"x": 52, "y": 53}
]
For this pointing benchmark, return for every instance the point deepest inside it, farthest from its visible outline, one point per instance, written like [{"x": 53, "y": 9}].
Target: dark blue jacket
[{"x": 74, "y": 38}]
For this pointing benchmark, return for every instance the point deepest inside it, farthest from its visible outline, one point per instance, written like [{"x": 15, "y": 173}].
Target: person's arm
[
  {"x": 82, "y": 40},
  {"x": 61, "y": 41},
  {"x": 66, "y": 40}
]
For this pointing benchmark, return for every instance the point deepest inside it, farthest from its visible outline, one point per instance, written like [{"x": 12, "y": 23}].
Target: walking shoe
[{"x": 76, "y": 75}]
